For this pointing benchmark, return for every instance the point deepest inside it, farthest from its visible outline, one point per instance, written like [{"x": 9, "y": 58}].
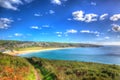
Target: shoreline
[{"x": 14, "y": 53}]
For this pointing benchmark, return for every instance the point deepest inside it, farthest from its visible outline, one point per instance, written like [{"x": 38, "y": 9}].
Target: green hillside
[{"x": 17, "y": 68}]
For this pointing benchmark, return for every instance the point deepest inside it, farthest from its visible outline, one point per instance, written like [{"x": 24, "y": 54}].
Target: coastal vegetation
[
  {"x": 18, "y": 68},
  {"x": 15, "y": 68}
]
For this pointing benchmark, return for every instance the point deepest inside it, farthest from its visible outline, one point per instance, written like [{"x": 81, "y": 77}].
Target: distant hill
[{"x": 11, "y": 45}]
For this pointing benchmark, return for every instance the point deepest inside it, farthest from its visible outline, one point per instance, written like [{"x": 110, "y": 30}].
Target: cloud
[
  {"x": 35, "y": 27},
  {"x": 58, "y": 2},
  {"x": 59, "y": 35},
  {"x": 78, "y": 15},
  {"x": 63, "y": 33},
  {"x": 64, "y": 0},
  {"x": 5, "y": 23},
  {"x": 18, "y": 34},
  {"x": 71, "y": 31},
  {"x": 58, "y": 32},
  {"x": 69, "y": 19},
  {"x": 107, "y": 37},
  {"x": 116, "y": 28},
  {"x": 81, "y": 16},
  {"x": 13, "y": 4},
  {"x": 91, "y": 17},
  {"x": 51, "y": 11},
  {"x": 84, "y": 31},
  {"x": 28, "y": 1},
  {"x": 91, "y": 32},
  {"x": 97, "y": 35},
  {"x": 93, "y": 3},
  {"x": 10, "y": 4},
  {"x": 102, "y": 17},
  {"x": 37, "y": 15},
  {"x": 115, "y": 17}
]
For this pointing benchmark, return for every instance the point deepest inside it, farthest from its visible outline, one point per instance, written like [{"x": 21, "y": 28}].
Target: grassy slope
[
  {"x": 70, "y": 70},
  {"x": 17, "y": 68}
]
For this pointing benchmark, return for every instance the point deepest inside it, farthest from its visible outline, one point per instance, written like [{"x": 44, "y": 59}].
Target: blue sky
[{"x": 60, "y": 20}]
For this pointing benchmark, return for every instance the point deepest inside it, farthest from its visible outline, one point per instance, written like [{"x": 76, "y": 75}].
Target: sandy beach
[{"x": 37, "y": 50}]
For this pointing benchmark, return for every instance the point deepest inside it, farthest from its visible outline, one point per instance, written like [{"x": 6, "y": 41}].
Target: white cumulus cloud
[
  {"x": 35, "y": 27},
  {"x": 36, "y": 14},
  {"x": 5, "y": 23},
  {"x": 81, "y": 16},
  {"x": 103, "y": 16},
  {"x": 13, "y": 4},
  {"x": 107, "y": 37},
  {"x": 10, "y": 4},
  {"x": 71, "y": 31},
  {"x": 116, "y": 27},
  {"x": 58, "y": 32},
  {"x": 78, "y": 15},
  {"x": 91, "y": 32},
  {"x": 58, "y": 2},
  {"x": 18, "y": 34},
  {"x": 84, "y": 31},
  {"x": 51, "y": 11},
  {"x": 90, "y": 17},
  {"x": 93, "y": 3},
  {"x": 115, "y": 17},
  {"x": 97, "y": 35},
  {"x": 69, "y": 19},
  {"x": 59, "y": 35},
  {"x": 28, "y": 1}
]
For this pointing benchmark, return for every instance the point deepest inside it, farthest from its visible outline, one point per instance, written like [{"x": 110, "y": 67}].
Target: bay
[{"x": 106, "y": 54}]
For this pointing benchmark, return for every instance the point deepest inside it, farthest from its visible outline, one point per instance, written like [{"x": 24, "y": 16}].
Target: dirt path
[{"x": 37, "y": 75}]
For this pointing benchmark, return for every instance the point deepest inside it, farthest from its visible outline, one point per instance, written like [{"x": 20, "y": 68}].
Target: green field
[{"x": 17, "y": 68}]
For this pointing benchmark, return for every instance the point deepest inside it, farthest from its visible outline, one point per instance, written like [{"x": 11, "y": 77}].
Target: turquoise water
[{"x": 107, "y": 54}]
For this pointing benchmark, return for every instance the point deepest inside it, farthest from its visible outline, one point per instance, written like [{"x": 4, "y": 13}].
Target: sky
[{"x": 87, "y": 21}]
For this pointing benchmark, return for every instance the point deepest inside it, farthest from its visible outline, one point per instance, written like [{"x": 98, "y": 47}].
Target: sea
[{"x": 104, "y": 54}]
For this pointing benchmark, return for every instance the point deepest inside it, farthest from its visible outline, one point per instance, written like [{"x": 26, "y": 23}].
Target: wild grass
[
  {"x": 70, "y": 70},
  {"x": 17, "y": 68}
]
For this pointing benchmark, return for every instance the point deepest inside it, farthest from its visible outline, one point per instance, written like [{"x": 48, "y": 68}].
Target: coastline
[{"x": 14, "y": 53}]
